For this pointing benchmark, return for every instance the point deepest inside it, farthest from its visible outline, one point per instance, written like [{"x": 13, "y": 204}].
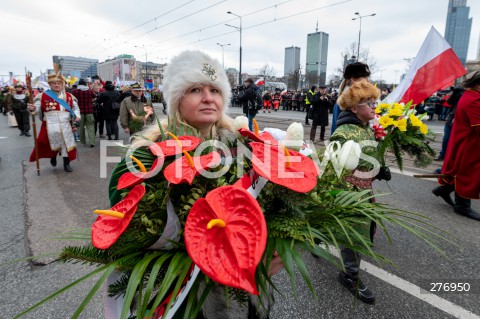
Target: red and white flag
[
  {"x": 435, "y": 67},
  {"x": 260, "y": 81}
]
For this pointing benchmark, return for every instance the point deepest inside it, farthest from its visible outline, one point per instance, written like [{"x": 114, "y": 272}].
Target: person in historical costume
[
  {"x": 358, "y": 108},
  {"x": 354, "y": 72},
  {"x": 136, "y": 111},
  {"x": 197, "y": 92},
  {"x": 58, "y": 110},
  {"x": 462, "y": 161},
  {"x": 17, "y": 103}
]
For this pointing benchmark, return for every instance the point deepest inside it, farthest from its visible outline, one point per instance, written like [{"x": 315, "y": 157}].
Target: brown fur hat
[{"x": 356, "y": 94}]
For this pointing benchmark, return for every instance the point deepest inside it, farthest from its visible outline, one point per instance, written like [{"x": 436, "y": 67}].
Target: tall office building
[
  {"x": 292, "y": 60},
  {"x": 316, "y": 62},
  {"x": 76, "y": 66},
  {"x": 457, "y": 30}
]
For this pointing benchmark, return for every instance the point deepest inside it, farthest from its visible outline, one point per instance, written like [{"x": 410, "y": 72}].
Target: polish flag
[
  {"x": 260, "y": 81},
  {"x": 435, "y": 67}
]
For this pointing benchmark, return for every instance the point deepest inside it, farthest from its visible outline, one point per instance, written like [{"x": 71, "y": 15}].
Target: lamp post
[
  {"x": 360, "y": 30},
  {"x": 240, "y": 30},
  {"x": 223, "y": 60},
  {"x": 146, "y": 62}
]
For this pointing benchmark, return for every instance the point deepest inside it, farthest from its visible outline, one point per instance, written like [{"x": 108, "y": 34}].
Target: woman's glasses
[{"x": 370, "y": 104}]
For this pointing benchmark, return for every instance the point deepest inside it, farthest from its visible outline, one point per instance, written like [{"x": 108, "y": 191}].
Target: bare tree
[
  {"x": 293, "y": 79},
  {"x": 231, "y": 79},
  {"x": 267, "y": 72},
  {"x": 350, "y": 53}
]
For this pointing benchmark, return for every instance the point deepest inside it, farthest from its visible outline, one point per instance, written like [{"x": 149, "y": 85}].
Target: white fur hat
[{"x": 191, "y": 68}]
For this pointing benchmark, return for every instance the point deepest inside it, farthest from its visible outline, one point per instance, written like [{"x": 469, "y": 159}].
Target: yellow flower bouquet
[{"x": 399, "y": 130}]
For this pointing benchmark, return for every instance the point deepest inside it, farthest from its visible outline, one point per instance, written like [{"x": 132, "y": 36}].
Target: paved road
[{"x": 35, "y": 207}]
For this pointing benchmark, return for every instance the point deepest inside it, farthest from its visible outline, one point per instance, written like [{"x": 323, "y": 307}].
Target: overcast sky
[{"x": 34, "y": 31}]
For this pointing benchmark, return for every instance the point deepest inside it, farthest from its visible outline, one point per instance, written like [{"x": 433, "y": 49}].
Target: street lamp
[
  {"x": 223, "y": 60},
  {"x": 360, "y": 30},
  {"x": 240, "y": 30},
  {"x": 146, "y": 62}
]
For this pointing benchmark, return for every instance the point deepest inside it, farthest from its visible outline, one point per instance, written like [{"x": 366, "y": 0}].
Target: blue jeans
[
  {"x": 250, "y": 120},
  {"x": 446, "y": 136}
]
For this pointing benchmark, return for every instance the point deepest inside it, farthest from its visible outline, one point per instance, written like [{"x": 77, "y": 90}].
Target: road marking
[
  {"x": 2, "y": 137},
  {"x": 414, "y": 290}
]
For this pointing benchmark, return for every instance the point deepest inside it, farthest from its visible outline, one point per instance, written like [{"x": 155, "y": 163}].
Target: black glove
[{"x": 384, "y": 174}]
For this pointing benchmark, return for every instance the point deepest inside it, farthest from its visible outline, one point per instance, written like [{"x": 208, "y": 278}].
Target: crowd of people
[{"x": 76, "y": 114}]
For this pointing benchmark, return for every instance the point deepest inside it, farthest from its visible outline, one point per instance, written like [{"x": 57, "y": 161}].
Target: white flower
[
  {"x": 294, "y": 137},
  {"x": 240, "y": 122},
  {"x": 344, "y": 156}
]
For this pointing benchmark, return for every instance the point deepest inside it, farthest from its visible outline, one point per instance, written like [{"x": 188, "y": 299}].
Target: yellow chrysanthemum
[
  {"x": 415, "y": 121},
  {"x": 385, "y": 121},
  {"x": 382, "y": 108},
  {"x": 402, "y": 124},
  {"x": 397, "y": 106},
  {"x": 395, "y": 112},
  {"x": 424, "y": 129}
]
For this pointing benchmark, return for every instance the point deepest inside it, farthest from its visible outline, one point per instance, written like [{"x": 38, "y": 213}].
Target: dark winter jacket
[
  {"x": 248, "y": 99},
  {"x": 105, "y": 99},
  {"x": 321, "y": 106}
]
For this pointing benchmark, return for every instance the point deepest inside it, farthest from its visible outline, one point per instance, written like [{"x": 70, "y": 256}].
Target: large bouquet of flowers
[
  {"x": 399, "y": 130},
  {"x": 188, "y": 215}
]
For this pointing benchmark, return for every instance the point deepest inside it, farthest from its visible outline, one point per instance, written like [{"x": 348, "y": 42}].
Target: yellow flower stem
[
  {"x": 215, "y": 223},
  {"x": 255, "y": 127},
  {"x": 107, "y": 212},
  {"x": 287, "y": 155},
  {"x": 189, "y": 159},
  {"x": 140, "y": 165},
  {"x": 175, "y": 138}
]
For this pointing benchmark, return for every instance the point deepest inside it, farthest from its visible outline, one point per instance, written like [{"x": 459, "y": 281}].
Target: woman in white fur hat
[{"x": 198, "y": 93}]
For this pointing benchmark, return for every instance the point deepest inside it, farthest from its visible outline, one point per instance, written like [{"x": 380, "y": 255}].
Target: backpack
[
  {"x": 115, "y": 104},
  {"x": 257, "y": 100}
]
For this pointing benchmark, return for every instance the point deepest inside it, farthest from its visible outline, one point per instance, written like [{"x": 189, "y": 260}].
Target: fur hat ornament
[{"x": 191, "y": 68}]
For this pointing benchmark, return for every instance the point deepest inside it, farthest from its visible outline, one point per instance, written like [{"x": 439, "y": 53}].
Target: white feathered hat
[{"x": 191, "y": 68}]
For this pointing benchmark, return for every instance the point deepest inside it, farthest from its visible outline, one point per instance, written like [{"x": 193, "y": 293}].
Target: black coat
[
  {"x": 105, "y": 100},
  {"x": 321, "y": 106},
  {"x": 248, "y": 99}
]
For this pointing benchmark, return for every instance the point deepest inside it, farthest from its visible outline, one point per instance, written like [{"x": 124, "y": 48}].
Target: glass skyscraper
[
  {"x": 292, "y": 60},
  {"x": 459, "y": 25},
  {"x": 317, "y": 51}
]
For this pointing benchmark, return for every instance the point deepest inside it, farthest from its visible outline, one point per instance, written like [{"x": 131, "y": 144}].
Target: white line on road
[{"x": 414, "y": 290}]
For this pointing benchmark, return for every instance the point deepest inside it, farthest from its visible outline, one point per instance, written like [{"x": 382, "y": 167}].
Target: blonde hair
[{"x": 153, "y": 133}]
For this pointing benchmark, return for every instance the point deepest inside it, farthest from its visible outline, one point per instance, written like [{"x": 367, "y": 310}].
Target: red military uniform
[{"x": 462, "y": 160}]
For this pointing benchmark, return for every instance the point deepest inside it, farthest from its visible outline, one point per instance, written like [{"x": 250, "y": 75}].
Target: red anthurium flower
[
  {"x": 284, "y": 167},
  {"x": 263, "y": 137},
  {"x": 175, "y": 146},
  {"x": 112, "y": 223},
  {"x": 130, "y": 179},
  {"x": 226, "y": 235},
  {"x": 188, "y": 167},
  {"x": 378, "y": 131}
]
